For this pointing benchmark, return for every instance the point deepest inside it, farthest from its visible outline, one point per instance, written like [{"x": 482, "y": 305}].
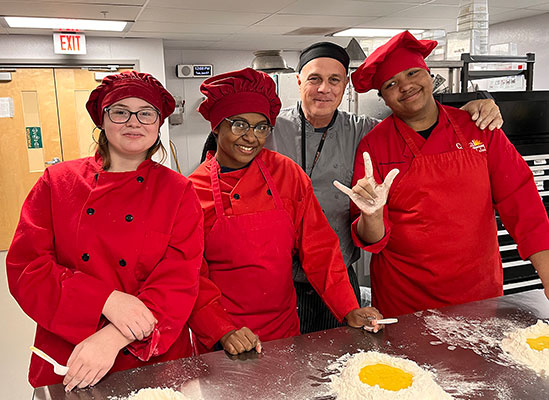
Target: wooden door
[
  {"x": 76, "y": 127},
  {"x": 51, "y": 104},
  {"x": 32, "y": 92}
]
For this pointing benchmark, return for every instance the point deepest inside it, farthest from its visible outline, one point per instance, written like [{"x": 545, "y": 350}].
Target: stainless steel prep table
[{"x": 296, "y": 368}]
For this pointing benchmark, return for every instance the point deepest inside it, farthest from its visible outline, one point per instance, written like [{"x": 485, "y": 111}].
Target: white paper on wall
[{"x": 6, "y": 107}]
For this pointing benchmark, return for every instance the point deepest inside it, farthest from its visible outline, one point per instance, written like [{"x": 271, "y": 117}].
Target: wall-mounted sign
[
  {"x": 34, "y": 137},
  {"x": 194, "y": 71},
  {"x": 6, "y": 107},
  {"x": 69, "y": 43}
]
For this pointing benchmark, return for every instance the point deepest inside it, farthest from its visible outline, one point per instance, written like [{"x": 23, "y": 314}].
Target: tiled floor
[{"x": 16, "y": 336}]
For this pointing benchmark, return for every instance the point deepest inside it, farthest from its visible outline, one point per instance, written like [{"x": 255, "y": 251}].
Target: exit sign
[{"x": 69, "y": 43}]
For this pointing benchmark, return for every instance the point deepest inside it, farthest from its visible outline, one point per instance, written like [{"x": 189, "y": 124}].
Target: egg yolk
[
  {"x": 539, "y": 343},
  {"x": 386, "y": 377}
]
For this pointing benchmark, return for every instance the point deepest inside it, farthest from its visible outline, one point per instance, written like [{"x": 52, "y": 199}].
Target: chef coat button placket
[
  {"x": 85, "y": 257},
  {"x": 236, "y": 196},
  {"x": 125, "y": 351},
  {"x": 90, "y": 211},
  {"x": 122, "y": 262},
  {"x": 140, "y": 179},
  {"x": 269, "y": 192},
  {"x": 129, "y": 218}
]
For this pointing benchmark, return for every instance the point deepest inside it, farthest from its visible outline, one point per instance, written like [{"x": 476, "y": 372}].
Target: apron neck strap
[
  {"x": 216, "y": 187},
  {"x": 405, "y": 130},
  {"x": 269, "y": 179}
]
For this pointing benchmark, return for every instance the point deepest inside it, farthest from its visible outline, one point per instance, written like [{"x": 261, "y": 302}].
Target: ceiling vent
[{"x": 270, "y": 61}]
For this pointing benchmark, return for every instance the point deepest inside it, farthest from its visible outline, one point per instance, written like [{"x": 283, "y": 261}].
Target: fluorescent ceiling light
[
  {"x": 66, "y": 24},
  {"x": 360, "y": 32}
]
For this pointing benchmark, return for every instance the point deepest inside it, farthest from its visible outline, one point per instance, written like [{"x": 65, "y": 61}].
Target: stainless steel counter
[{"x": 459, "y": 344}]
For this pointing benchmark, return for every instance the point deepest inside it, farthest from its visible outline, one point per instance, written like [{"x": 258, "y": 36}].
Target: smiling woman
[
  {"x": 259, "y": 211},
  {"x": 241, "y": 138},
  {"x": 130, "y": 134},
  {"x": 107, "y": 252}
]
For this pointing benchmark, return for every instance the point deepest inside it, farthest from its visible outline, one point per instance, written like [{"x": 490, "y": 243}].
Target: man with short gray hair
[{"x": 323, "y": 140}]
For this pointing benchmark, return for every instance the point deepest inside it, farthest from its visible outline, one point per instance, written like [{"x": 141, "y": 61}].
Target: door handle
[{"x": 54, "y": 160}]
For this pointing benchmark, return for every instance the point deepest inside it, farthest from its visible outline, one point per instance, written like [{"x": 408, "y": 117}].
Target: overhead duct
[
  {"x": 270, "y": 61},
  {"x": 356, "y": 53}
]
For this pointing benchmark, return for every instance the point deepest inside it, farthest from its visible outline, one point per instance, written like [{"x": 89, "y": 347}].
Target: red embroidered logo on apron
[{"x": 477, "y": 145}]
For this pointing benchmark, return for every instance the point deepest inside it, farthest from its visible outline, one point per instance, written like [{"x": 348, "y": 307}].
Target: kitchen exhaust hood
[{"x": 270, "y": 61}]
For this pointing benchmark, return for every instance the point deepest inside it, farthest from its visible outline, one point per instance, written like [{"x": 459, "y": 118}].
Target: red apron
[
  {"x": 443, "y": 247},
  {"x": 250, "y": 259}
]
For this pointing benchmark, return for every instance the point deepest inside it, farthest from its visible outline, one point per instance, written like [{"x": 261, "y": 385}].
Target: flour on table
[
  {"x": 482, "y": 336},
  {"x": 348, "y": 386},
  {"x": 515, "y": 344},
  {"x": 157, "y": 394}
]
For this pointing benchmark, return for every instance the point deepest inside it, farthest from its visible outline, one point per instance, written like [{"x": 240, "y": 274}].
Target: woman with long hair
[{"x": 107, "y": 252}]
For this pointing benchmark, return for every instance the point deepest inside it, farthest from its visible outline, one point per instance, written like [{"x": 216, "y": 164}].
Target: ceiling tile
[
  {"x": 515, "y": 3},
  {"x": 260, "y": 6},
  {"x": 514, "y": 14},
  {"x": 430, "y": 11},
  {"x": 542, "y": 7},
  {"x": 345, "y": 8},
  {"x": 170, "y": 27},
  {"x": 311, "y": 20},
  {"x": 182, "y": 16},
  {"x": 223, "y": 24},
  {"x": 412, "y": 23}
]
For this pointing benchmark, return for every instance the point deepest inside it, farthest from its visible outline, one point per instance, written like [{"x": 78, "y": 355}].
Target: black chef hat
[{"x": 323, "y": 49}]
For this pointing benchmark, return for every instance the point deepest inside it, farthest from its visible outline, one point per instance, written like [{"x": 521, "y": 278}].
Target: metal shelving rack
[{"x": 468, "y": 75}]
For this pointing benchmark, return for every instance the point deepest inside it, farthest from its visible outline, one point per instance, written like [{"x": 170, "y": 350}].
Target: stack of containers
[
  {"x": 472, "y": 30},
  {"x": 473, "y": 20}
]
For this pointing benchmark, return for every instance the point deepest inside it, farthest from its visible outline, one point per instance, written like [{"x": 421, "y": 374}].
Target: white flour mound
[
  {"x": 157, "y": 394},
  {"x": 348, "y": 385},
  {"x": 515, "y": 345}
]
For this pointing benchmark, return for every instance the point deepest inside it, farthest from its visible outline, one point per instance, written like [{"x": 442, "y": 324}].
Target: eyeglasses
[
  {"x": 240, "y": 127},
  {"x": 121, "y": 115}
]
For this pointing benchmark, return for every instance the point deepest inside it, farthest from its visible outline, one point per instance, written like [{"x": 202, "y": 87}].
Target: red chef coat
[
  {"x": 85, "y": 232},
  {"x": 513, "y": 193},
  {"x": 245, "y": 191}
]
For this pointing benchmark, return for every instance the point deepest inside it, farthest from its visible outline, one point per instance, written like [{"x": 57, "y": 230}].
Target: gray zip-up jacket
[{"x": 336, "y": 162}]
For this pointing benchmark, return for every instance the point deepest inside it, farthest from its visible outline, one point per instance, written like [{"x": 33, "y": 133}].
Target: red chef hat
[
  {"x": 129, "y": 84},
  {"x": 239, "y": 92},
  {"x": 401, "y": 52}
]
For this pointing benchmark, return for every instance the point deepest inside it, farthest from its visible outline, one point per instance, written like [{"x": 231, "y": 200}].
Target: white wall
[
  {"x": 189, "y": 137},
  {"x": 531, "y": 36},
  {"x": 147, "y": 53}
]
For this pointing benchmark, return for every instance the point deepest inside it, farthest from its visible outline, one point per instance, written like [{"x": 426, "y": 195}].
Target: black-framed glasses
[
  {"x": 240, "y": 127},
  {"x": 120, "y": 115}
]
